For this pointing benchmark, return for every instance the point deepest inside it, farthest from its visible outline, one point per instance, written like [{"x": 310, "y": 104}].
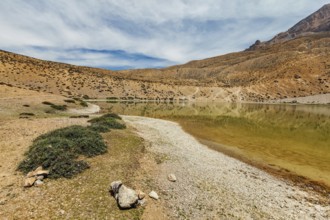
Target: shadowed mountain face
[{"x": 293, "y": 64}]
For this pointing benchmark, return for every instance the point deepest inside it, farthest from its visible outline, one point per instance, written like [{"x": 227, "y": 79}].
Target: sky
[{"x": 127, "y": 34}]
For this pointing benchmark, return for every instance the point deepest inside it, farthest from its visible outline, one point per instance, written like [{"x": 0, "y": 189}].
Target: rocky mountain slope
[
  {"x": 317, "y": 22},
  {"x": 295, "y": 66}
]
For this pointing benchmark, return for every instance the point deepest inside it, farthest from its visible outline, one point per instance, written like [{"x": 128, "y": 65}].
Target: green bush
[
  {"x": 27, "y": 114},
  {"x": 70, "y": 101},
  {"x": 59, "y": 107},
  {"x": 83, "y": 103},
  {"x": 99, "y": 127},
  {"x": 106, "y": 122},
  {"x": 47, "y": 103},
  {"x": 58, "y": 151}
]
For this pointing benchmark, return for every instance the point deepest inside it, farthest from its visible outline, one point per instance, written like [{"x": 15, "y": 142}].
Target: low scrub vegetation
[
  {"x": 70, "y": 101},
  {"x": 58, "y": 151},
  {"x": 27, "y": 114},
  {"x": 61, "y": 151},
  {"x": 54, "y": 106},
  {"x": 106, "y": 122}
]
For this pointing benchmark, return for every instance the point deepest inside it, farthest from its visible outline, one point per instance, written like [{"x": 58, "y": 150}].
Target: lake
[{"x": 290, "y": 137}]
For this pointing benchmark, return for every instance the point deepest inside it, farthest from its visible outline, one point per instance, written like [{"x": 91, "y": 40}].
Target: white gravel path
[{"x": 212, "y": 185}]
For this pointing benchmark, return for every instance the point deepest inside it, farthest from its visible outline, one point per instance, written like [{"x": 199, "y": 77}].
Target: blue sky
[{"x": 117, "y": 34}]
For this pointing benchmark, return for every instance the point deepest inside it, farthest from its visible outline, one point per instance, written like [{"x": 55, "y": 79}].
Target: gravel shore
[{"x": 211, "y": 185}]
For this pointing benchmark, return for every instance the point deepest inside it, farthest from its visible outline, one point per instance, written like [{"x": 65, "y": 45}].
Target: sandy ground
[{"x": 214, "y": 186}]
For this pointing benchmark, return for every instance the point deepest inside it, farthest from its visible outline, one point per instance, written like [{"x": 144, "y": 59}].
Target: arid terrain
[
  {"x": 38, "y": 96},
  {"x": 64, "y": 198},
  {"x": 293, "y": 67}
]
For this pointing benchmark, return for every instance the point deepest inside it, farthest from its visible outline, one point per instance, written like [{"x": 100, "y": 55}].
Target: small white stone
[
  {"x": 38, "y": 183},
  {"x": 171, "y": 177},
  {"x": 154, "y": 195}
]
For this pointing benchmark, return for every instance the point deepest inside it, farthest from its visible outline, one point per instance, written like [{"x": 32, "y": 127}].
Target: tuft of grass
[
  {"x": 54, "y": 106},
  {"x": 58, "y": 151},
  {"x": 59, "y": 107},
  {"x": 83, "y": 103},
  {"x": 70, "y": 101},
  {"x": 106, "y": 122},
  {"x": 47, "y": 103},
  {"x": 27, "y": 114}
]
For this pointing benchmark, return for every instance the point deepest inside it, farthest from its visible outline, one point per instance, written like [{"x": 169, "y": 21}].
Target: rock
[
  {"x": 127, "y": 197},
  {"x": 38, "y": 183},
  {"x": 171, "y": 177},
  {"x": 38, "y": 172},
  {"x": 30, "y": 174},
  {"x": 140, "y": 194},
  {"x": 62, "y": 211},
  {"x": 142, "y": 202},
  {"x": 29, "y": 181},
  {"x": 42, "y": 172},
  {"x": 115, "y": 188},
  {"x": 40, "y": 177},
  {"x": 154, "y": 195},
  {"x": 39, "y": 168}
]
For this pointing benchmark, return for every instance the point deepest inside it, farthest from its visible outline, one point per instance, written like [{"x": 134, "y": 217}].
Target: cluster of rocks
[
  {"x": 128, "y": 198},
  {"x": 36, "y": 177}
]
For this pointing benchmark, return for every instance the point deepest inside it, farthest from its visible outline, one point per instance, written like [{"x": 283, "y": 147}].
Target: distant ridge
[{"x": 317, "y": 22}]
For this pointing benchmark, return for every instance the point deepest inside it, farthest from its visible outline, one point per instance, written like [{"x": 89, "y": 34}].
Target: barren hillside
[{"x": 295, "y": 67}]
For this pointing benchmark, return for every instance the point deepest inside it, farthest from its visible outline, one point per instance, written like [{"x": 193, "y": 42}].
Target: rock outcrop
[
  {"x": 125, "y": 196},
  {"x": 35, "y": 177}
]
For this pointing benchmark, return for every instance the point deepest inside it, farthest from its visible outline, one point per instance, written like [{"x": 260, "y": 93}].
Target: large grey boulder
[{"x": 125, "y": 196}]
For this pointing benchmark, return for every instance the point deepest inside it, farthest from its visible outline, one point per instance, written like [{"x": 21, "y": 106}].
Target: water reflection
[{"x": 294, "y": 137}]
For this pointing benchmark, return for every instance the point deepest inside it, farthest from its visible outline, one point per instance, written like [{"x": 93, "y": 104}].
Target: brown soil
[{"x": 85, "y": 196}]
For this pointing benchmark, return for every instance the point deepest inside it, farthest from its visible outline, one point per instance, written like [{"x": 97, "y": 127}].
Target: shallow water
[{"x": 292, "y": 137}]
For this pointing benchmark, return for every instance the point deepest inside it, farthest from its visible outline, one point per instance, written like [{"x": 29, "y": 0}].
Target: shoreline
[
  {"x": 301, "y": 181},
  {"x": 212, "y": 185}
]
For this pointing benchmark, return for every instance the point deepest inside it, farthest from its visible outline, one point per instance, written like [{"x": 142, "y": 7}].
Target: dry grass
[{"x": 85, "y": 196}]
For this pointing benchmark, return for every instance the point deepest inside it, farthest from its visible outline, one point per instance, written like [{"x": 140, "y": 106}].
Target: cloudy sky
[{"x": 120, "y": 34}]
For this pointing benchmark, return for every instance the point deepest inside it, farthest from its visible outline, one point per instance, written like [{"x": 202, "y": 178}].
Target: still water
[{"x": 291, "y": 137}]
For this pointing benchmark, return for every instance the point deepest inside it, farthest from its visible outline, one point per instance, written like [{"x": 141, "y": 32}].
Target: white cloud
[{"x": 176, "y": 30}]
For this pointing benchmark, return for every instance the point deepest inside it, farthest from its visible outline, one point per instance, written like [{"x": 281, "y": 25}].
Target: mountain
[
  {"x": 293, "y": 64},
  {"x": 317, "y": 22}
]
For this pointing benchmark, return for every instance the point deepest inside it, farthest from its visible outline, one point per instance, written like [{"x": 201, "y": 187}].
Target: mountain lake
[{"x": 286, "y": 137}]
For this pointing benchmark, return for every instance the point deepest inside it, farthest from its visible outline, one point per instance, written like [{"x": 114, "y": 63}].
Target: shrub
[
  {"x": 106, "y": 122},
  {"x": 47, "y": 103},
  {"x": 70, "y": 101},
  {"x": 83, "y": 103},
  {"x": 99, "y": 127},
  {"x": 27, "y": 114},
  {"x": 59, "y": 107},
  {"x": 58, "y": 151}
]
